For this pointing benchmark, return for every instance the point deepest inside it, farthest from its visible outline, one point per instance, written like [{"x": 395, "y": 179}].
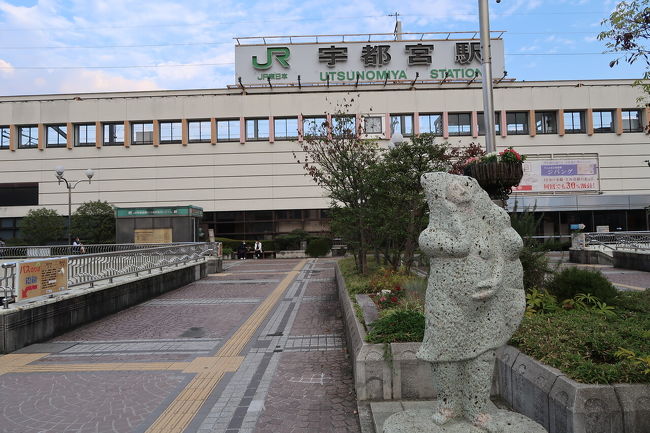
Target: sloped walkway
[{"x": 258, "y": 348}]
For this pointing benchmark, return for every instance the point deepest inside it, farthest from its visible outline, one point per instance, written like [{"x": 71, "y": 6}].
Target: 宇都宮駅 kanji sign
[{"x": 365, "y": 61}]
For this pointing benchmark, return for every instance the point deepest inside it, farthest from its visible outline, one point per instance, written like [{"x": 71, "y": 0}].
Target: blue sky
[{"x": 69, "y": 46}]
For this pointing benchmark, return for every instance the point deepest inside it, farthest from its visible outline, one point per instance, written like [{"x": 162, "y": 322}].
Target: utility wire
[
  {"x": 296, "y": 19},
  {"x": 193, "y": 65}
]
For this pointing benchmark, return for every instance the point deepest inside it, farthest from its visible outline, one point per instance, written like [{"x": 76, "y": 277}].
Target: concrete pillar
[
  {"x": 589, "y": 121},
  {"x": 42, "y": 136},
  {"x": 13, "y": 137},
  {"x": 475, "y": 125},
  {"x": 532, "y": 125},
  {"x": 560, "y": 122},
  {"x": 127, "y": 133},
  {"x": 99, "y": 136},
  {"x": 156, "y": 133},
  {"x": 445, "y": 124},
  {"x": 69, "y": 135}
]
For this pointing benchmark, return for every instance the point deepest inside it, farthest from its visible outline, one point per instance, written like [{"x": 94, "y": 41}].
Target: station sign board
[
  {"x": 347, "y": 62},
  {"x": 42, "y": 277},
  {"x": 559, "y": 175}
]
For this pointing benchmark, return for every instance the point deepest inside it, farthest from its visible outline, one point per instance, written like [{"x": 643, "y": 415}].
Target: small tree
[
  {"x": 94, "y": 222},
  {"x": 337, "y": 159},
  {"x": 41, "y": 226},
  {"x": 398, "y": 203}
]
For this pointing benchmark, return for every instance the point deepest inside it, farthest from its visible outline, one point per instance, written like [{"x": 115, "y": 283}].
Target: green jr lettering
[{"x": 281, "y": 54}]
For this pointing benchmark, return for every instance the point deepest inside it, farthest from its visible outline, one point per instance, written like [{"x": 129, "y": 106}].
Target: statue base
[{"x": 421, "y": 421}]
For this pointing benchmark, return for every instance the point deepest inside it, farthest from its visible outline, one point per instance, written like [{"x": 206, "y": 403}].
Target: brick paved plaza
[{"x": 258, "y": 348}]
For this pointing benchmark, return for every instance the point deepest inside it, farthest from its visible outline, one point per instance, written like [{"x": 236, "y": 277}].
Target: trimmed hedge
[
  {"x": 583, "y": 345},
  {"x": 318, "y": 247},
  {"x": 400, "y": 326},
  {"x": 571, "y": 281}
]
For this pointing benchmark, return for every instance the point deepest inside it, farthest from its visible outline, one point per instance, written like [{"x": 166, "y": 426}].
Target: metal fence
[
  {"x": 619, "y": 240},
  {"x": 119, "y": 261},
  {"x": 36, "y": 251}
]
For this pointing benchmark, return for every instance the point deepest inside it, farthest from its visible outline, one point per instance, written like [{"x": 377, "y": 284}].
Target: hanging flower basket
[{"x": 496, "y": 178}]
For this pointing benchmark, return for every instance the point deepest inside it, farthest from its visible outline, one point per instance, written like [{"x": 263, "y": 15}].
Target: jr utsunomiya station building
[{"x": 230, "y": 151}]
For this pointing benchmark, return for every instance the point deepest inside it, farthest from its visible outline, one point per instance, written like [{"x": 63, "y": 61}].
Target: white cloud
[
  {"x": 6, "y": 68},
  {"x": 100, "y": 81}
]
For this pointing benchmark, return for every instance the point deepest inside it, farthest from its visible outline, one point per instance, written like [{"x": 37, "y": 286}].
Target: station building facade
[{"x": 231, "y": 151}]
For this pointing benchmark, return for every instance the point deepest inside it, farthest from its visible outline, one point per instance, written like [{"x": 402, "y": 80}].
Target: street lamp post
[
  {"x": 70, "y": 186},
  {"x": 486, "y": 64}
]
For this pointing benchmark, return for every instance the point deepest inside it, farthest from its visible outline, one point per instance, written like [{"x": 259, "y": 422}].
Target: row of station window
[{"x": 287, "y": 128}]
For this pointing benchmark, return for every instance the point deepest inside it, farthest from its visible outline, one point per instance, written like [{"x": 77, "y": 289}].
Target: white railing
[
  {"x": 619, "y": 240},
  {"x": 35, "y": 251},
  {"x": 88, "y": 269}
]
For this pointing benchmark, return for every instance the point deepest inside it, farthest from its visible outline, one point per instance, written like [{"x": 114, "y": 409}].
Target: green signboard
[{"x": 130, "y": 212}]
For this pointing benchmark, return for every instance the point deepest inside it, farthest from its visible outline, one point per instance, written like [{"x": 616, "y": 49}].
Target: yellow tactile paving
[
  {"x": 9, "y": 363},
  {"x": 209, "y": 370},
  {"x": 182, "y": 410},
  {"x": 640, "y": 289}
]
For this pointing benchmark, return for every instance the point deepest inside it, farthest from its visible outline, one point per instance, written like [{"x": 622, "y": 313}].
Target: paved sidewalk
[
  {"x": 623, "y": 279},
  {"x": 256, "y": 349}
]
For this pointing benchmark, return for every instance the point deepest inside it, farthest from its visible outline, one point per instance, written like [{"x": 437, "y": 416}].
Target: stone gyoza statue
[{"x": 474, "y": 302}]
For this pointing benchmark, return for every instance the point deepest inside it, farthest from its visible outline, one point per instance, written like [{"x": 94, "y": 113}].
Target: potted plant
[{"x": 497, "y": 173}]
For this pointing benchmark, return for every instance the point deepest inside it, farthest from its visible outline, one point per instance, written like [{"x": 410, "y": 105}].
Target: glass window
[
  {"x": 431, "y": 123},
  {"x": 343, "y": 126},
  {"x": 517, "y": 122},
  {"x": 481, "y": 123},
  {"x": 545, "y": 122},
  {"x": 603, "y": 120},
  {"x": 632, "y": 121},
  {"x": 574, "y": 122},
  {"x": 170, "y": 132},
  {"x": 85, "y": 135},
  {"x": 314, "y": 126},
  {"x": 402, "y": 123},
  {"x": 228, "y": 130},
  {"x": 285, "y": 128},
  {"x": 459, "y": 124},
  {"x": 257, "y": 129},
  {"x": 142, "y": 133},
  {"x": 57, "y": 136},
  {"x": 199, "y": 131},
  {"x": 113, "y": 134},
  {"x": 4, "y": 137},
  {"x": 27, "y": 137},
  {"x": 372, "y": 125},
  {"x": 18, "y": 194}
]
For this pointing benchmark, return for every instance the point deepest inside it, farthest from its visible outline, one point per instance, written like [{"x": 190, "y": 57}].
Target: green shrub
[
  {"x": 556, "y": 245},
  {"x": 633, "y": 301},
  {"x": 535, "y": 265},
  {"x": 318, "y": 247},
  {"x": 584, "y": 345},
  {"x": 291, "y": 241},
  {"x": 400, "y": 326},
  {"x": 572, "y": 281}
]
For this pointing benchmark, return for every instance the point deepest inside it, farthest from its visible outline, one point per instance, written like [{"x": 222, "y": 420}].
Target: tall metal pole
[
  {"x": 486, "y": 65},
  {"x": 69, "y": 213}
]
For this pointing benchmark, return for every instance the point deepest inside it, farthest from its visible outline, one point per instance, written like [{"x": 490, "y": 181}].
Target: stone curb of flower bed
[{"x": 543, "y": 393}]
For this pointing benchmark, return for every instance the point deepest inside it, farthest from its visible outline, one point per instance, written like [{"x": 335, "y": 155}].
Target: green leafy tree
[
  {"x": 397, "y": 203},
  {"x": 627, "y": 31},
  {"x": 338, "y": 160},
  {"x": 94, "y": 222},
  {"x": 628, "y": 28},
  {"x": 41, "y": 226}
]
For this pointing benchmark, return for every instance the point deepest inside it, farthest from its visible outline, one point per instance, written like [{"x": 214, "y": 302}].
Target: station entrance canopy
[{"x": 339, "y": 60}]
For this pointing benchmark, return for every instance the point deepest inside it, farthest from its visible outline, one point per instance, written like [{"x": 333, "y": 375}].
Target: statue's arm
[{"x": 449, "y": 241}]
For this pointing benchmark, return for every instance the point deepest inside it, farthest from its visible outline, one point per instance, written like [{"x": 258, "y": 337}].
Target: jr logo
[{"x": 281, "y": 54}]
